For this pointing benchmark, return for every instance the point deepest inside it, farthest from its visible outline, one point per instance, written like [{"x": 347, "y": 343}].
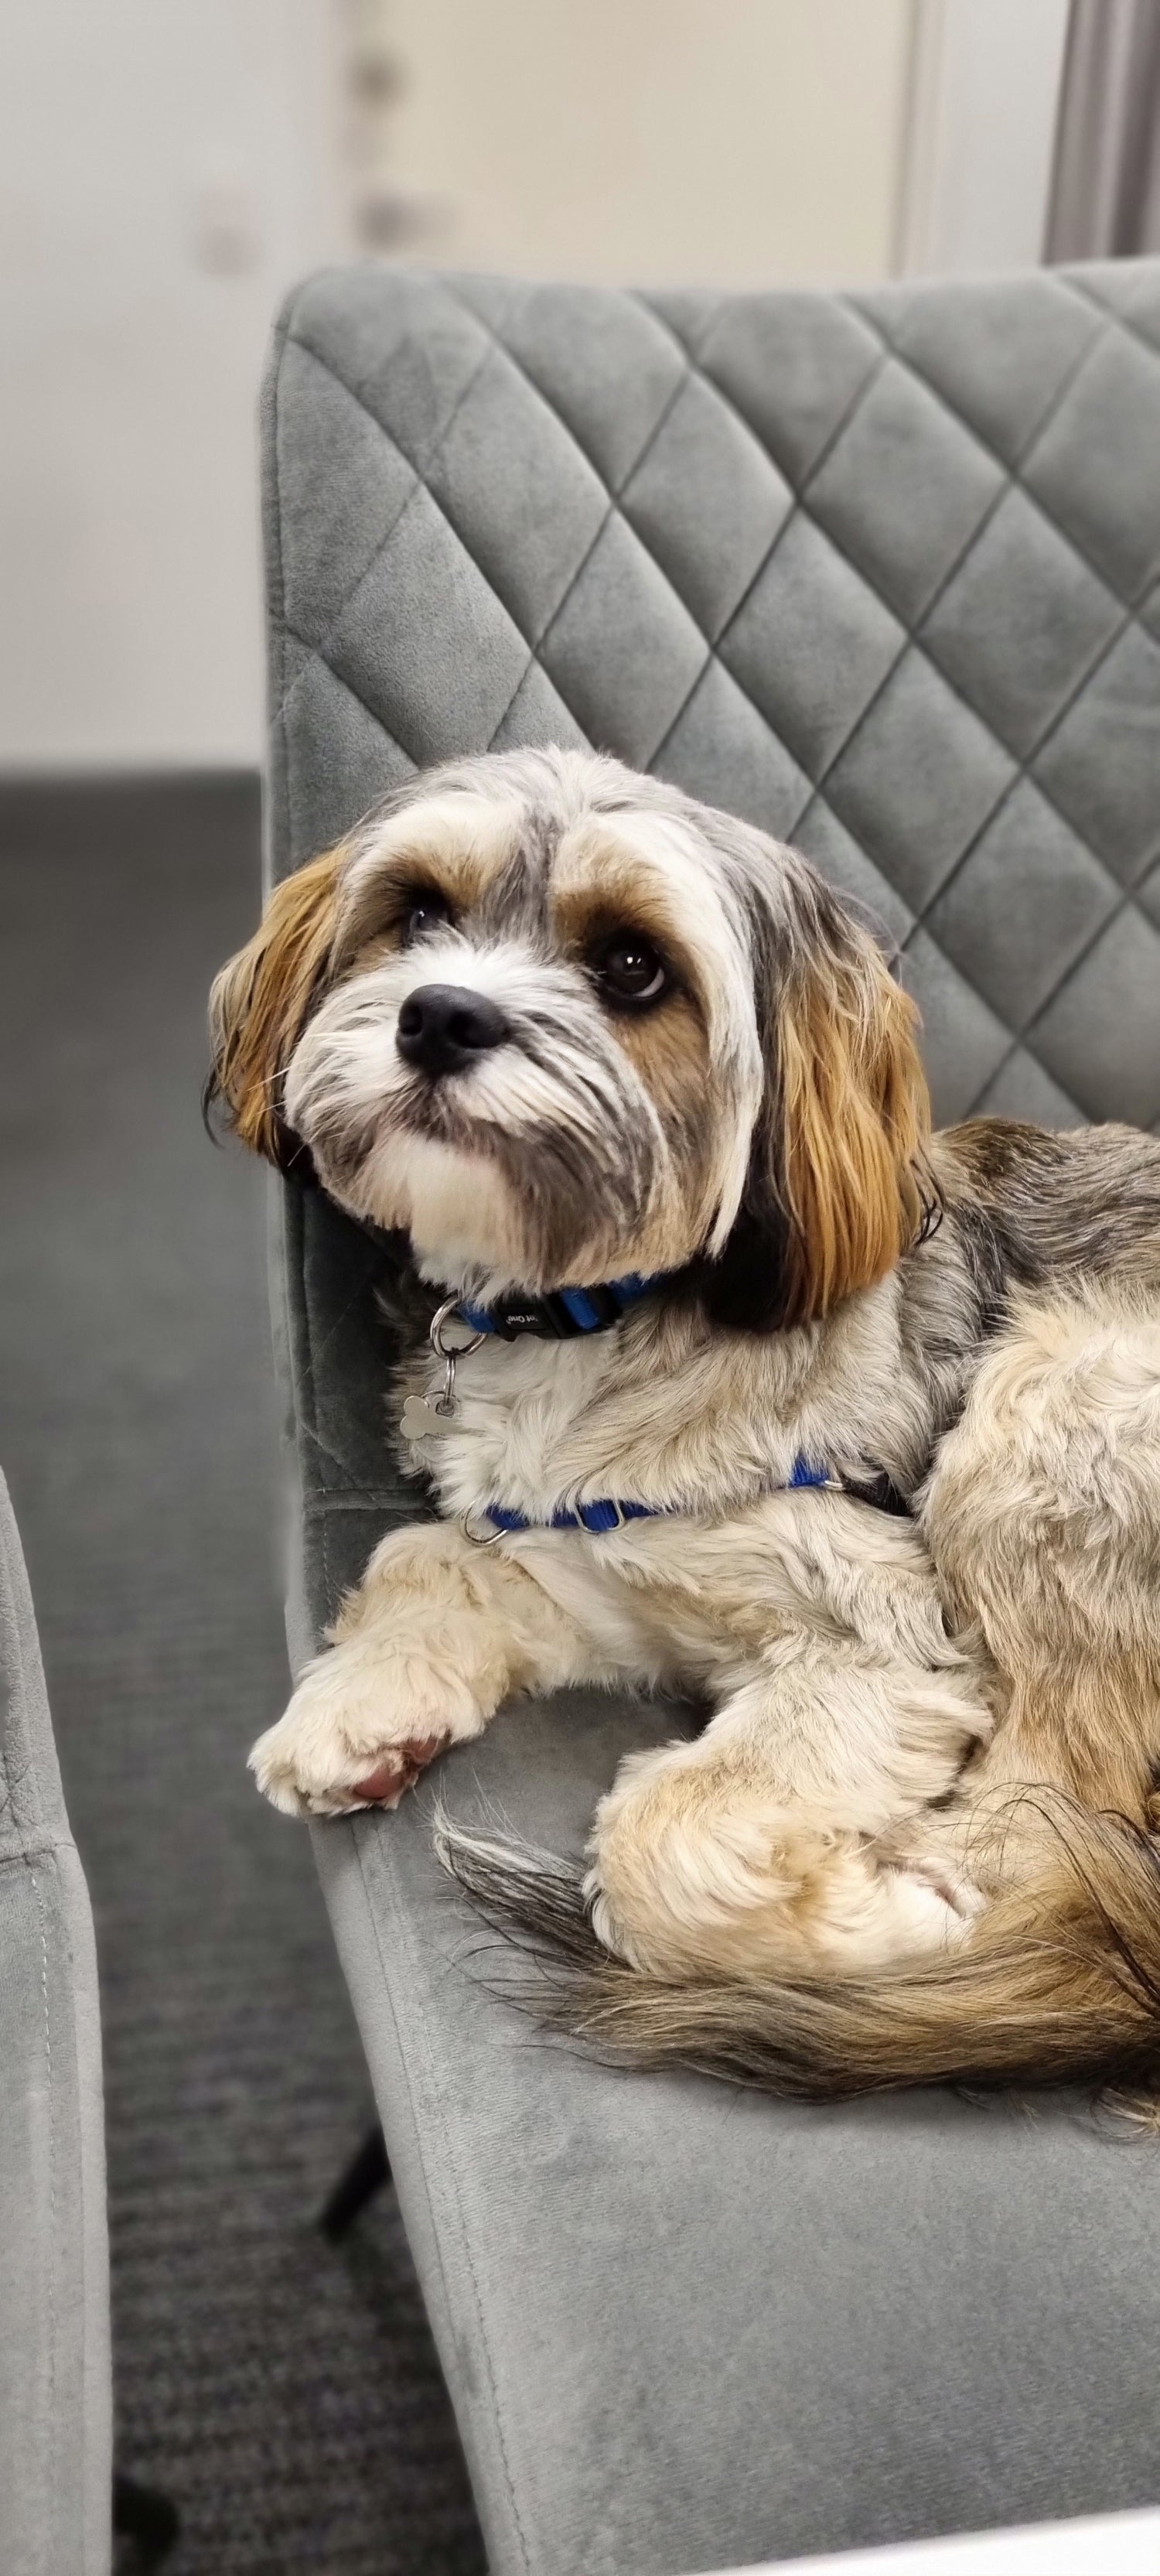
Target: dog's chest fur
[{"x": 664, "y": 1411}]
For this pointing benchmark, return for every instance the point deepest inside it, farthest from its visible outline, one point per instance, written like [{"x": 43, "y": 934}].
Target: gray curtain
[{"x": 1105, "y": 188}]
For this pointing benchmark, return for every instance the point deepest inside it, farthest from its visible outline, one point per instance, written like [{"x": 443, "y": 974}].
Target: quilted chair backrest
[{"x": 880, "y": 571}]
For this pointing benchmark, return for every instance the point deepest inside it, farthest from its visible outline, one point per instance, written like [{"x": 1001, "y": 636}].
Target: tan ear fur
[
  {"x": 854, "y": 1116},
  {"x": 260, "y": 1000}
]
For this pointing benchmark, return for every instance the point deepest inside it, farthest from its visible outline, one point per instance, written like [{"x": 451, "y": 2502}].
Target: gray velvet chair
[
  {"x": 55, "y": 2384},
  {"x": 881, "y": 572}
]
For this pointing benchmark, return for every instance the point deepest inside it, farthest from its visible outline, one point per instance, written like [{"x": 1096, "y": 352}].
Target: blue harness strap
[
  {"x": 607, "y": 1514},
  {"x": 597, "y": 1518}
]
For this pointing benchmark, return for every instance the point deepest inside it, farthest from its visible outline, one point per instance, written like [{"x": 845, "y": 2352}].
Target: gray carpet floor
[{"x": 286, "y": 2395}]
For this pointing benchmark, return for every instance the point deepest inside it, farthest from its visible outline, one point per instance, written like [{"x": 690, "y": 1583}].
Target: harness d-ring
[{"x": 474, "y": 1535}]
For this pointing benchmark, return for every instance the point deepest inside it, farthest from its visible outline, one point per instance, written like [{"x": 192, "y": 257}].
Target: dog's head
[{"x": 560, "y": 1023}]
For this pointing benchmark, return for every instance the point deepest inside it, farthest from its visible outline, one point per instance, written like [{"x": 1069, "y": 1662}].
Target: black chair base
[
  {"x": 146, "y": 2517},
  {"x": 368, "y": 2170}
]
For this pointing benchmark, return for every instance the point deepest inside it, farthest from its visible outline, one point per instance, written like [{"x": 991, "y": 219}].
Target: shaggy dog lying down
[{"x": 644, "y": 1096}]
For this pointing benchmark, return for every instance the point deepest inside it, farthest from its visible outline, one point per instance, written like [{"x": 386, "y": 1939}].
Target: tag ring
[
  {"x": 451, "y": 1350},
  {"x": 474, "y": 1535}
]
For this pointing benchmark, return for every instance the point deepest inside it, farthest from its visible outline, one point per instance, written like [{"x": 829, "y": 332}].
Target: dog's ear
[
  {"x": 259, "y": 1005},
  {"x": 837, "y": 1187}
]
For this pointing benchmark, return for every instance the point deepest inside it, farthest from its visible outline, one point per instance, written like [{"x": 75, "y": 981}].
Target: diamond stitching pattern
[{"x": 802, "y": 554}]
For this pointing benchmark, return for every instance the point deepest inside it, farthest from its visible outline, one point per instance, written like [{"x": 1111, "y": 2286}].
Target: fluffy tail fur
[{"x": 1059, "y": 1983}]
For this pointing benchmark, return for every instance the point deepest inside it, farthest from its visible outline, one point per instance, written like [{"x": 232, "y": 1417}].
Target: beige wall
[{"x": 741, "y": 142}]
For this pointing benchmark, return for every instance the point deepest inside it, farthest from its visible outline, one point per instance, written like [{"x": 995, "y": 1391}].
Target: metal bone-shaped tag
[{"x": 424, "y": 1421}]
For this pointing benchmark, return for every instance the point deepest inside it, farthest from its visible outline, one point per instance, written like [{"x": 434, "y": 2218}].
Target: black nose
[{"x": 443, "y": 1028}]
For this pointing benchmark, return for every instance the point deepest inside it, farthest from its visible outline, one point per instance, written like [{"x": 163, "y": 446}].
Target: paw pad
[{"x": 397, "y": 1771}]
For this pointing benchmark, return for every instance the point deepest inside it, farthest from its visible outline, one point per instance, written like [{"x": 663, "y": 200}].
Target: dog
[{"x": 744, "y": 1383}]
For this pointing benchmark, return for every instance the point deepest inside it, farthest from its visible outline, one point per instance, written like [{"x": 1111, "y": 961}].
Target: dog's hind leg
[
  {"x": 1043, "y": 1520},
  {"x": 782, "y": 1841}
]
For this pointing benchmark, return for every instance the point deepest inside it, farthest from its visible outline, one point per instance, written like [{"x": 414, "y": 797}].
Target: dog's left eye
[
  {"x": 425, "y": 909},
  {"x": 630, "y": 969}
]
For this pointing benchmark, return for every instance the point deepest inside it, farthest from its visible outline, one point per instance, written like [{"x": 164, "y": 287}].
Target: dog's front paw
[{"x": 360, "y": 1729}]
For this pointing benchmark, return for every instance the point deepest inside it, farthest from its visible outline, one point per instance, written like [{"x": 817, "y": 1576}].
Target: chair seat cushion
[{"x": 686, "y": 2326}]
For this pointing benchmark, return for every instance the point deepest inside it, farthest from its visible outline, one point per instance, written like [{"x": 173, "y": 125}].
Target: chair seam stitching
[
  {"x": 1129, "y": 613},
  {"x": 797, "y": 493},
  {"x": 1014, "y": 472},
  {"x": 1023, "y": 776},
  {"x": 51, "y": 2423},
  {"x": 1007, "y": 1057},
  {"x": 1022, "y": 762},
  {"x": 418, "y": 482},
  {"x": 40, "y": 1847},
  {"x": 613, "y": 510},
  {"x": 614, "y": 496},
  {"x": 421, "y": 484},
  {"x": 798, "y": 488},
  {"x": 1023, "y": 1036},
  {"x": 912, "y": 637},
  {"x": 277, "y": 711},
  {"x": 318, "y": 655},
  {"x": 1110, "y": 313}
]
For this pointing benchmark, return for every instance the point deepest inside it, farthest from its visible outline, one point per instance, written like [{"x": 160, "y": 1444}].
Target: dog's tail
[{"x": 1057, "y": 1983}]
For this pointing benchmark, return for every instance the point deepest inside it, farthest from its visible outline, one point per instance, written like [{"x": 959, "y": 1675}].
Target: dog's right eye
[
  {"x": 629, "y": 970},
  {"x": 425, "y": 909}
]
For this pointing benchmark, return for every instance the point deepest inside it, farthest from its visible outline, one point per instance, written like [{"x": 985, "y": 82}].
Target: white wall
[{"x": 163, "y": 175}]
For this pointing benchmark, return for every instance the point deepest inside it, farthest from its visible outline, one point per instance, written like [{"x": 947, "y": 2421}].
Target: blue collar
[
  {"x": 564, "y": 1314},
  {"x": 600, "y": 1517}
]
